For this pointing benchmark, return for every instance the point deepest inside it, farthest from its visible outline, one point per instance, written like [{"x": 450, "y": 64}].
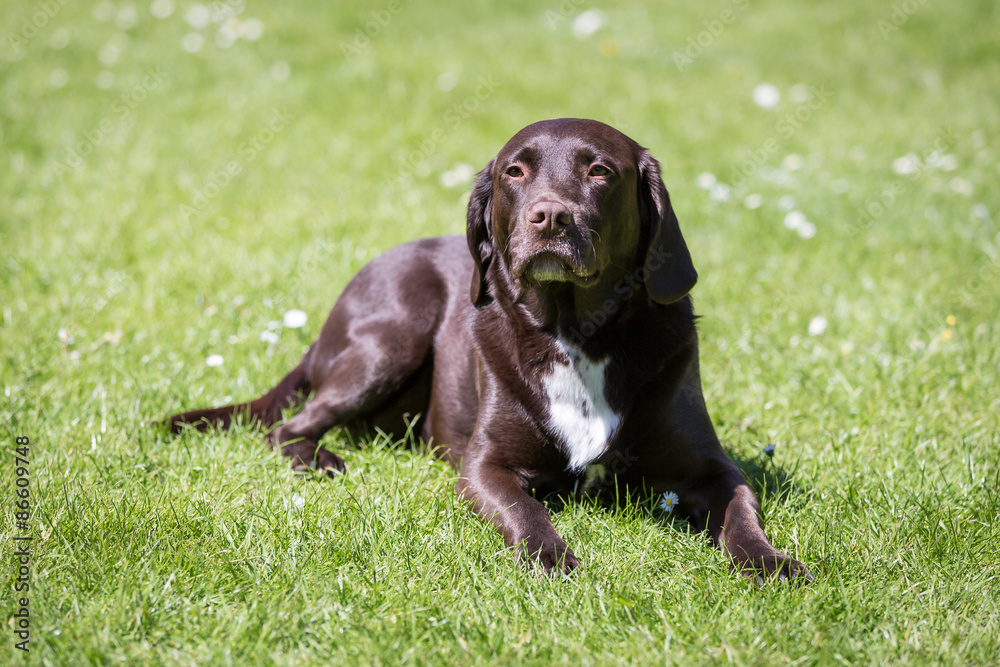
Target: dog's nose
[{"x": 549, "y": 217}]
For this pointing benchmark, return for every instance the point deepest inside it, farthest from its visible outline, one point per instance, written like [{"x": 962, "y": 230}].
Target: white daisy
[
  {"x": 669, "y": 501},
  {"x": 446, "y": 81},
  {"x": 460, "y": 174},
  {"x": 720, "y": 192},
  {"x": 161, "y": 9},
  {"x": 59, "y": 39},
  {"x": 799, "y": 93},
  {"x": 807, "y": 230},
  {"x": 766, "y": 95},
  {"x": 113, "y": 337},
  {"x": 589, "y": 22},
  {"x": 192, "y": 42},
  {"x": 792, "y": 162},
  {"x": 127, "y": 16},
  {"x": 794, "y": 219},
  {"x": 908, "y": 164},
  {"x": 58, "y": 78},
  {"x": 280, "y": 70},
  {"x": 295, "y": 319},
  {"x": 253, "y": 29},
  {"x": 198, "y": 16},
  {"x": 961, "y": 185}
]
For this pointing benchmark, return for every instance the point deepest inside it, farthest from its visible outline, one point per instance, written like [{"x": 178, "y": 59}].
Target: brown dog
[{"x": 573, "y": 365}]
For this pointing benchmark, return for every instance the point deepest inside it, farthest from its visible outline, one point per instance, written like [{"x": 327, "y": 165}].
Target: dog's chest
[{"x": 579, "y": 413}]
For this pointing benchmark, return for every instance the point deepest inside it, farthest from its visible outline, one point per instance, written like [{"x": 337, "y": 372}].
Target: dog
[{"x": 552, "y": 350}]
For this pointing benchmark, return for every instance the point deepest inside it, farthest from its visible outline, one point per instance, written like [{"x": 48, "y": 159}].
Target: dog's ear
[
  {"x": 669, "y": 271},
  {"x": 479, "y": 232}
]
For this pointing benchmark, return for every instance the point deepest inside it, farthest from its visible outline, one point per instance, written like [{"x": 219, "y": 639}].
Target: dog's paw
[
  {"x": 307, "y": 456},
  {"x": 554, "y": 556},
  {"x": 775, "y": 567}
]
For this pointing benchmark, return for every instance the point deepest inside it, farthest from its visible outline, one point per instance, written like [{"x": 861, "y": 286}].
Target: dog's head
[{"x": 565, "y": 201}]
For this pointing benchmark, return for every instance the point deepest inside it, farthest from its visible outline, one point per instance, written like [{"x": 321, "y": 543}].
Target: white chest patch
[{"x": 579, "y": 413}]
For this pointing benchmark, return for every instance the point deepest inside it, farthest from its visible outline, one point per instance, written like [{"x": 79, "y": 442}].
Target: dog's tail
[{"x": 265, "y": 410}]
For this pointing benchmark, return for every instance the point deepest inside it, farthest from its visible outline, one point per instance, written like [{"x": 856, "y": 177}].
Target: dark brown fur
[{"x": 557, "y": 250}]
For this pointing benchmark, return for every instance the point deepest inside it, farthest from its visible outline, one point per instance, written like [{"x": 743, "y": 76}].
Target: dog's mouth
[{"x": 550, "y": 267}]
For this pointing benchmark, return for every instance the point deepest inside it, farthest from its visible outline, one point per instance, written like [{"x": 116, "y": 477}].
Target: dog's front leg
[
  {"x": 497, "y": 496},
  {"x": 725, "y": 506}
]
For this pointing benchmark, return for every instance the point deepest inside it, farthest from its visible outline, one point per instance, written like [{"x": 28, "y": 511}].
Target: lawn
[{"x": 176, "y": 178}]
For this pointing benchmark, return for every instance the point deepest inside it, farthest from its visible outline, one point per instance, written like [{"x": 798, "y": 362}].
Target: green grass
[{"x": 152, "y": 550}]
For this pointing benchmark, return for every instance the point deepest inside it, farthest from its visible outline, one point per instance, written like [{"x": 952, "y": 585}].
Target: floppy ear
[
  {"x": 668, "y": 267},
  {"x": 478, "y": 232}
]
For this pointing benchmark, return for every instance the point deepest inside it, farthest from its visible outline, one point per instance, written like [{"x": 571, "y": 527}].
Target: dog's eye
[
  {"x": 599, "y": 170},
  {"x": 515, "y": 172}
]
